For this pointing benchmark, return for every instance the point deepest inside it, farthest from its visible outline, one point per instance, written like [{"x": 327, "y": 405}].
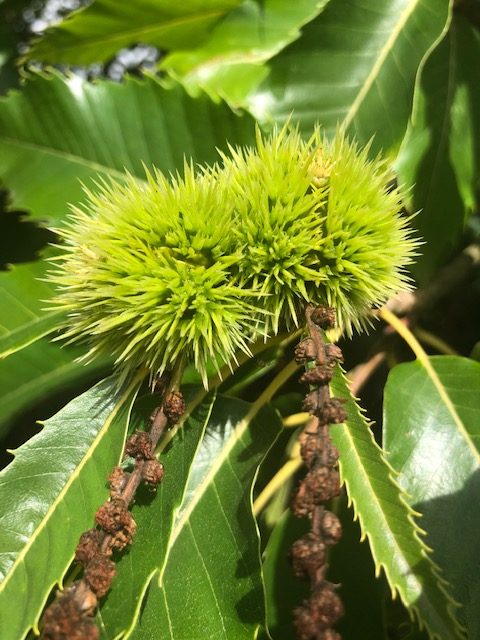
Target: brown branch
[{"x": 70, "y": 616}]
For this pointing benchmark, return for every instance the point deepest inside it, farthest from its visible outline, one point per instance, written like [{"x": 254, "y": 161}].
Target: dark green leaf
[
  {"x": 97, "y": 32},
  {"x": 439, "y": 158},
  {"x": 350, "y": 565},
  {"x": 432, "y": 433},
  {"x": 49, "y": 495},
  {"x": 206, "y": 582},
  {"x": 41, "y": 369},
  {"x": 354, "y": 65},
  {"x": 277, "y": 573}
]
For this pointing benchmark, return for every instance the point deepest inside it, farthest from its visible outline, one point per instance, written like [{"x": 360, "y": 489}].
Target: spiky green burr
[{"x": 204, "y": 264}]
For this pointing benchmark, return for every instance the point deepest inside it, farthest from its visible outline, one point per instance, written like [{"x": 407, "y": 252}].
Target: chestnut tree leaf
[
  {"x": 95, "y": 33},
  {"x": 24, "y": 296},
  {"x": 432, "y": 434},
  {"x": 49, "y": 495},
  {"x": 350, "y": 565},
  {"x": 354, "y": 65},
  {"x": 439, "y": 158},
  {"x": 58, "y": 133},
  {"x": 230, "y": 61},
  {"x": 200, "y": 574},
  {"x": 388, "y": 522},
  {"x": 39, "y": 371}
]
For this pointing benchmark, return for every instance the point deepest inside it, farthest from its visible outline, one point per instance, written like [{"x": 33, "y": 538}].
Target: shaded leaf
[
  {"x": 97, "y": 32},
  {"x": 440, "y": 155},
  {"x": 12, "y": 33},
  {"x": 41, "y": 369},
  {"x": 387, "y": 521},
  {"x": 206, "y": 582},
  {"x": 229, "y": 62},
  {"x": 350, "y": 565},
  {"x": 59, "y": 132},
  {"x": 277, "y": 573},
  {"x": 23, "y": 297},
  {"x": 432, "y": 433},
  {"x": 31, "y": 367},
  {"x": 49, "y": 495},
  {"x": 355, "y": 65}
]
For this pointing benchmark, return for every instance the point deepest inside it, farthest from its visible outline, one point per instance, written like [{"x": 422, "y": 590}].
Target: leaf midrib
[
  {"x": 135, "y": 34},
  {"x": 68, "y": 157},
  {"x": 379, "y": 62}
]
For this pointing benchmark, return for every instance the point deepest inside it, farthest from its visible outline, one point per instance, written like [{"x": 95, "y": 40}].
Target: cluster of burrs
[
  {"x": 205, "y": 263},
  {"x": 316, "y": 616},
  {"x": 71, "y": 615}
]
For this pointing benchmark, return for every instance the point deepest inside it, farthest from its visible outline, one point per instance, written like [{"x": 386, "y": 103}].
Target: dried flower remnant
[
  {"x": 315, "y": 618},
  {"x": 71, "y": 614}
]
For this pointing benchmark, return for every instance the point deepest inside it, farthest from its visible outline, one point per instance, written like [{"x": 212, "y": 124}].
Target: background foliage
[{"x": 402, "y": 73}]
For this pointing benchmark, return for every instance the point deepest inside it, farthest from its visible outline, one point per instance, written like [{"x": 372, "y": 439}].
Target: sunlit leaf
[
  {"x": 229, "y": 62},
  {"x": 355, "y": 65},
  {"x": 59, "y": 132},
  {"x": 204, "y": 573}
]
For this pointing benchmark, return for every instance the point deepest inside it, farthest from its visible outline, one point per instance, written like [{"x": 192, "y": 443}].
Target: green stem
[{"x": 276, "y": 483}]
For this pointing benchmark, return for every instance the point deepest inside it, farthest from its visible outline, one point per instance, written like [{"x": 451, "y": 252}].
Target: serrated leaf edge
[{"x": 425, "y": 550}]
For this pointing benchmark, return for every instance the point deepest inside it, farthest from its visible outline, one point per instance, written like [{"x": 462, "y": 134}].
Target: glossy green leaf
[
  {"x": 49, "y": 495},
  {"x": 432, "y": 433},
  {"x": 387, "y": 520},
  {"x": 354, "y": 65},
  {"x": 229, "y": 62},
  {"x": 154, "y": 515},
  {"x": 439, "y": 157},
  {"x": 206, "y": 581},
  {"x": 97, "y": 32},
  {"x": 59, "y": 132}
]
